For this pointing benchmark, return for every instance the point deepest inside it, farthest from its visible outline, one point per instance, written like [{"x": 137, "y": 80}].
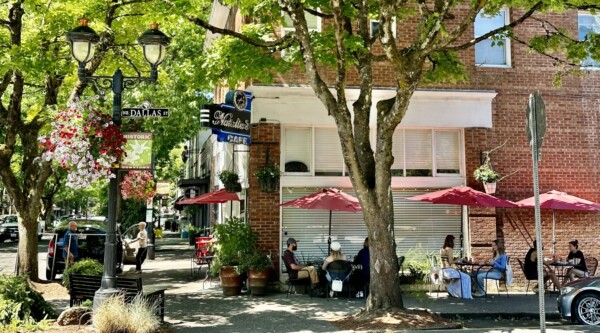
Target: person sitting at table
[
  {"x": 460, "y": 285},
  {"x": 336, "y": 254},
  {"x": 579, "y": 269},
  {"x": 530, "y": 268},
  {"x": 362, "y": 279},
  {"x": 299, "y": 271},
  {"x": 498, "y": 263}
]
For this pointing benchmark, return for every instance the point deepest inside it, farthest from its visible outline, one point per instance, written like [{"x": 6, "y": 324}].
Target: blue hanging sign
[{"x": 235, "y": 138}]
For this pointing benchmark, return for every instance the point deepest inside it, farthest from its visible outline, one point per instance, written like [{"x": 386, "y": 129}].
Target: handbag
[{"x": 337, "y": 285}]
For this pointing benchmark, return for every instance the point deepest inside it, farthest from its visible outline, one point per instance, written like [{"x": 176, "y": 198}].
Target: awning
[
  {"x": 428, "y": 108},
  {"x": 220, "y": 196}
]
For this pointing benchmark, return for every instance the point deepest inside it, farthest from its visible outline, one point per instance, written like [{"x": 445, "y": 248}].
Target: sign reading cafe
[{"x": 230, "y": 121}]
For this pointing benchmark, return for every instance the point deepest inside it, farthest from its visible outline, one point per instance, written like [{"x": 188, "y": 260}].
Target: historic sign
[{"x": 138, "y": 150}]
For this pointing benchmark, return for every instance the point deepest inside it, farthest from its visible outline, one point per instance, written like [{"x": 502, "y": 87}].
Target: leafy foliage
[
  {"x": 138, "y": 186},
  {"x": 21, "y": 304},
  {"x": 486, "y": 174},
  {"x": 83, "y": 267},
  {"x": 235, "y": 241},
  {"x": 268, "y": 172}
]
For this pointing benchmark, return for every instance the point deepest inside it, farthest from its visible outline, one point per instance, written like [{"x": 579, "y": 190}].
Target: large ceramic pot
[
  {"x": 257, "y": 281},
  {"x": 231, "y": 282}
]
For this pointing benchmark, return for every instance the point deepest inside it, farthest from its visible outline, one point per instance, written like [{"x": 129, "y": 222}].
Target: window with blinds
[
  {"x": 398, "y": 153},
  {"x": 418, "y": 150},
  {"x": 447, "y": 155},
  {"x": 298, "y": 149},
  {"x": 329, "y": 160}
]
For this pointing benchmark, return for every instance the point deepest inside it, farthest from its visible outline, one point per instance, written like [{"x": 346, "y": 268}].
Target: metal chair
[
  {"x": 592, "y": 265},
  {"x": 502, "y": 279},
  {"x": 336, "y": 269},
  {"x": 525, "y": 275}
]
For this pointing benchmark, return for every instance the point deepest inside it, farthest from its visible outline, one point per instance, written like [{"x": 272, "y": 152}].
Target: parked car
[
  {"x": 9, "y": 228},
  {"x": 91, "y": 240},
  {"x": 580, "y": 301}
]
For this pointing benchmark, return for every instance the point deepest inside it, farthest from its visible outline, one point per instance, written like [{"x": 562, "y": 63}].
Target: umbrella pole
[
  {"x": 329, "y": 235},
  {"x": 553, "y": 233}
]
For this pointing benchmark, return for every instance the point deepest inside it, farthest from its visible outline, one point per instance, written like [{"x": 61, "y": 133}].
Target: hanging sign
[
  {"x": 230, "y": 121},
  {"x": 138, "y": 150},
  {"x": 145, "y": 110},
  {"x": 163, "y": 187}
]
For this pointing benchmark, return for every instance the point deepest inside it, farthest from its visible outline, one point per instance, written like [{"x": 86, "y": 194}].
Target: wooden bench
[{"x": 84, "y": 287}]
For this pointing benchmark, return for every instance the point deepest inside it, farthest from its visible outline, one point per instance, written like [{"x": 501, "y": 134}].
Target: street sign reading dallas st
[{"x": 146, "y": 110}]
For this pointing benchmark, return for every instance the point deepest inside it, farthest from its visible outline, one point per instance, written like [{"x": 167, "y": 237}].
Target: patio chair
[
  {"x": 201, "y": 256},
  {"x": 435, "y": 274},
  {"x": 592, "y": 265},
  {"x": 502, "y": 279},
  {"x": 338, "y": 270},
  {"x": 292, "y": 283},
  {"x": 400, "y": 263},
  {"x": 525, "y": 275}
]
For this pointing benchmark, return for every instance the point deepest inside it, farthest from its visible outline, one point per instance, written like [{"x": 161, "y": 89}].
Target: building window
[
  {"x": 588, "y": 24},
  {"x": 313, "y": 23},
  {"x": 374, "y": 26},
  {"x": 298, "y": 150},
  {"x": 490, "y": 52},
  {"x": 398, "y": 153},
  {"x": 447, "y": 152},
  {"x": 329, "y": 160},
  {"x": 418, "y": 151}
]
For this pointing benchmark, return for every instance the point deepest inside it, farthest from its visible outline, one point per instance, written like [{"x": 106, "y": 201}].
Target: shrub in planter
[
  {"x": 20, "y": 304},
  {"x": 193, "y": 232},
  {"x": 83, "y": 267},
  {"x": 258, "y": 265}
]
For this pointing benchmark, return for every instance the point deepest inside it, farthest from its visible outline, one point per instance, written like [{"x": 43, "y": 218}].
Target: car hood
[
  {"x": 582, "y": 283},
  {"x": 9, "y": 224}
]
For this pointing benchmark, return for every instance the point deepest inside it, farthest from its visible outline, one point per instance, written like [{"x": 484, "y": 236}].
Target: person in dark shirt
[
  {"x": 70, "y": 245},
  {"x": 530, "y": 267},
  {"x": 363, "y": 259},
  {"x": 298, "y": 271},
  {"x": 579, "y": 270}
]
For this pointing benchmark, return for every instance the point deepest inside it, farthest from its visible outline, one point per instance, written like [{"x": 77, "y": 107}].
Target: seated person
[
  {"x": 299, "y": 271},
  {"x": 460, "y": 285},
  {"x": 498, "y": 263},
  {"x": 576, "y": 256},
  {"x": 336, "y": 254},
  {"x": 530, "y": 267},
  {"x": 361, "y": 278}
]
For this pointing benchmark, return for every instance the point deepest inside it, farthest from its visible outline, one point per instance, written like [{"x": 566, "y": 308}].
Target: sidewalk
[{"x": 192, "y": 306}]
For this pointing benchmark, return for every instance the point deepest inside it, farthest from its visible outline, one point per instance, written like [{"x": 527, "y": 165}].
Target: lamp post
[{"x": 83, "y": 40}]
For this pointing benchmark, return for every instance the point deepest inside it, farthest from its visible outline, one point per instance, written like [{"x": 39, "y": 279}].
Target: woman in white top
[
  {"x": 336, "y": 254},
  {"x": 460, "y": 284},
  {"x": 140, "y": 256}
]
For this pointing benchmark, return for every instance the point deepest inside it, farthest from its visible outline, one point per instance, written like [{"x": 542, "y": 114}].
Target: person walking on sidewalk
[{"x": 142, "y": 238}]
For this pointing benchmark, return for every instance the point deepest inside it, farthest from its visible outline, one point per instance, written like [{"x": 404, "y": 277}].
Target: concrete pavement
[{"x": 193, "y": 306}]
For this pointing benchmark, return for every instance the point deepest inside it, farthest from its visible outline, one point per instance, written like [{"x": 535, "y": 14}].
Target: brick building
[{"x": 438, "y": 145}]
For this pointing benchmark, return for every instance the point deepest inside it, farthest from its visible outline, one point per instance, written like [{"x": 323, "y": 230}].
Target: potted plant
[
  {"x": 230, "y": 180},
  {"x": 258, "y": 265},
  {"x": 193, "y": 232},
  {"x": 268, "y": 177},
  {"x": 234, "y": 240},
  {"x": 487, "y": 176}
]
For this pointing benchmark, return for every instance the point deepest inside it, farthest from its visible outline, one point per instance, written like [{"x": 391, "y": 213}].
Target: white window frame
[
  {"x": 394, "y": 32},
  {"x": 507, "y": 44},
  {"x": 596, "y": 65},
  {"x": 285, "y": 30},
  {"x": 372, "y": 135}
]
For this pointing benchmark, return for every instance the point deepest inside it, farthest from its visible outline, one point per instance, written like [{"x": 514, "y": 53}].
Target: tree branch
[
  {"x": 260, "y": 43},
  {"x": 319, "y": 14},
  {"x": 507, "y": 27},
  {"x": 557, "y": 59}
]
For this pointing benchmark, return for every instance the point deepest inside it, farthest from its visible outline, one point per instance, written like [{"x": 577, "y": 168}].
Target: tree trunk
[{"x": 28, "y": 246}]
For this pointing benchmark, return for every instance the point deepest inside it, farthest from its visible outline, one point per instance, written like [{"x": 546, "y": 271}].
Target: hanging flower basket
[
  {"x": 230, "y": 180},
  {"x": 138, "y": 186},
  {"x": 85, "y": 142},
  {"x": 268, "y": 177},
  {"x": 490, "y": 188}
]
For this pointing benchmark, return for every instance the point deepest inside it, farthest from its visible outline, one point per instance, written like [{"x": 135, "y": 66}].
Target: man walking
[{"x": 70, "y": 244}]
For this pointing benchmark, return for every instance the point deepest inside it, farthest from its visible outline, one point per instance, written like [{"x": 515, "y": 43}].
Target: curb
[{"x": 497, "y": 315}]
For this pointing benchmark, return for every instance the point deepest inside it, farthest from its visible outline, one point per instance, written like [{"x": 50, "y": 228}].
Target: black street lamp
[{"x": 83, "y": 40}]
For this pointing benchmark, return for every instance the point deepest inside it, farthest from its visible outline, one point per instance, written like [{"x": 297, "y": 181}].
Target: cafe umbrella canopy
[
  {"x": 559, "y": 200},
  {"x": 215, "y": 197},
  {"x": 463, "y": 195},
  {"x": 327, "y": 199}
]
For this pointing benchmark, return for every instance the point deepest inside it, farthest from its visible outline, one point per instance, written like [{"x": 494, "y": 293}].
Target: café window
[
  {"x": 447, "y": 152},
  {"x": 398, "y": 153},
  {"x": 418, "y": 150},
  {"x": 492, "y": 52},
  {"x": 298, "y": 150},
  {"x": 329, "y": 160}
]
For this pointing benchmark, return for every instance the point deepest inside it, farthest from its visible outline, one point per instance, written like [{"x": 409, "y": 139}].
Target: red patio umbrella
[
  {"x": 219, "y": 196},
  {"x": 463, "y": 195},
  {"x": 559, "y": 200},
  {"x": 327, "y": 199}
]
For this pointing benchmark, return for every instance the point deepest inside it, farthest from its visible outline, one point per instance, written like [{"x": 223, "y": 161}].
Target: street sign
[
  {"x": 536, "y": 122},
  {"x": 138, "y": 150},
  {"x": 145, "y": 112}
]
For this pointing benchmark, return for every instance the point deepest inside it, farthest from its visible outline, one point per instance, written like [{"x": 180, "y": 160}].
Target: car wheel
[
  {"x": 587, "y": 309},
  {"x": 50, "y": 276}
]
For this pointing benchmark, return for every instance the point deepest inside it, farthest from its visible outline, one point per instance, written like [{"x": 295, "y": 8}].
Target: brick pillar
[{"x": 263, "y": 208}]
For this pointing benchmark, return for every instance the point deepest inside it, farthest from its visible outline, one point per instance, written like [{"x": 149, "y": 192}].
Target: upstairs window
[
  {"x": 374, "y": 26},
  {"x": 588, "y": 24},
  {"x": 418, "y": 151},
  {"x": 298, "y": 150},
  {"x": 490, "y": 52},
  {"x": 313, "y": 23},
  {"x": 329, "y": 160},
  {"x": 447, "y": 152}
]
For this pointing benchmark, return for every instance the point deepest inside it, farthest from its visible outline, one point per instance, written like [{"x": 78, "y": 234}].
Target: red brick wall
[{"x": 263, "y": 208}]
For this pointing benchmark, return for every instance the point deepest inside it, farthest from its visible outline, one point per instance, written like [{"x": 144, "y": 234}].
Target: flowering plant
[
  {"x": 85, "y": 142},
  {"x": 268, "y": 172},
  {"x": 138, "y": 186}
]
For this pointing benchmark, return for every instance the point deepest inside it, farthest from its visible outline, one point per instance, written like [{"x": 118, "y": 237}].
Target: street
[{"x": 8, "y": 256}]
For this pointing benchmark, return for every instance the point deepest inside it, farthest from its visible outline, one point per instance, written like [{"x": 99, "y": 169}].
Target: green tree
[
  {"x": 427, "y": 51},
  {"x": 37, "y": 74}
]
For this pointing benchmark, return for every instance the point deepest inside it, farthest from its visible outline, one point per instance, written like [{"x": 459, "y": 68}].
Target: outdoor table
[
  {"x": 559, "y": 268},
  {"x": 469, "y": 268}
]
